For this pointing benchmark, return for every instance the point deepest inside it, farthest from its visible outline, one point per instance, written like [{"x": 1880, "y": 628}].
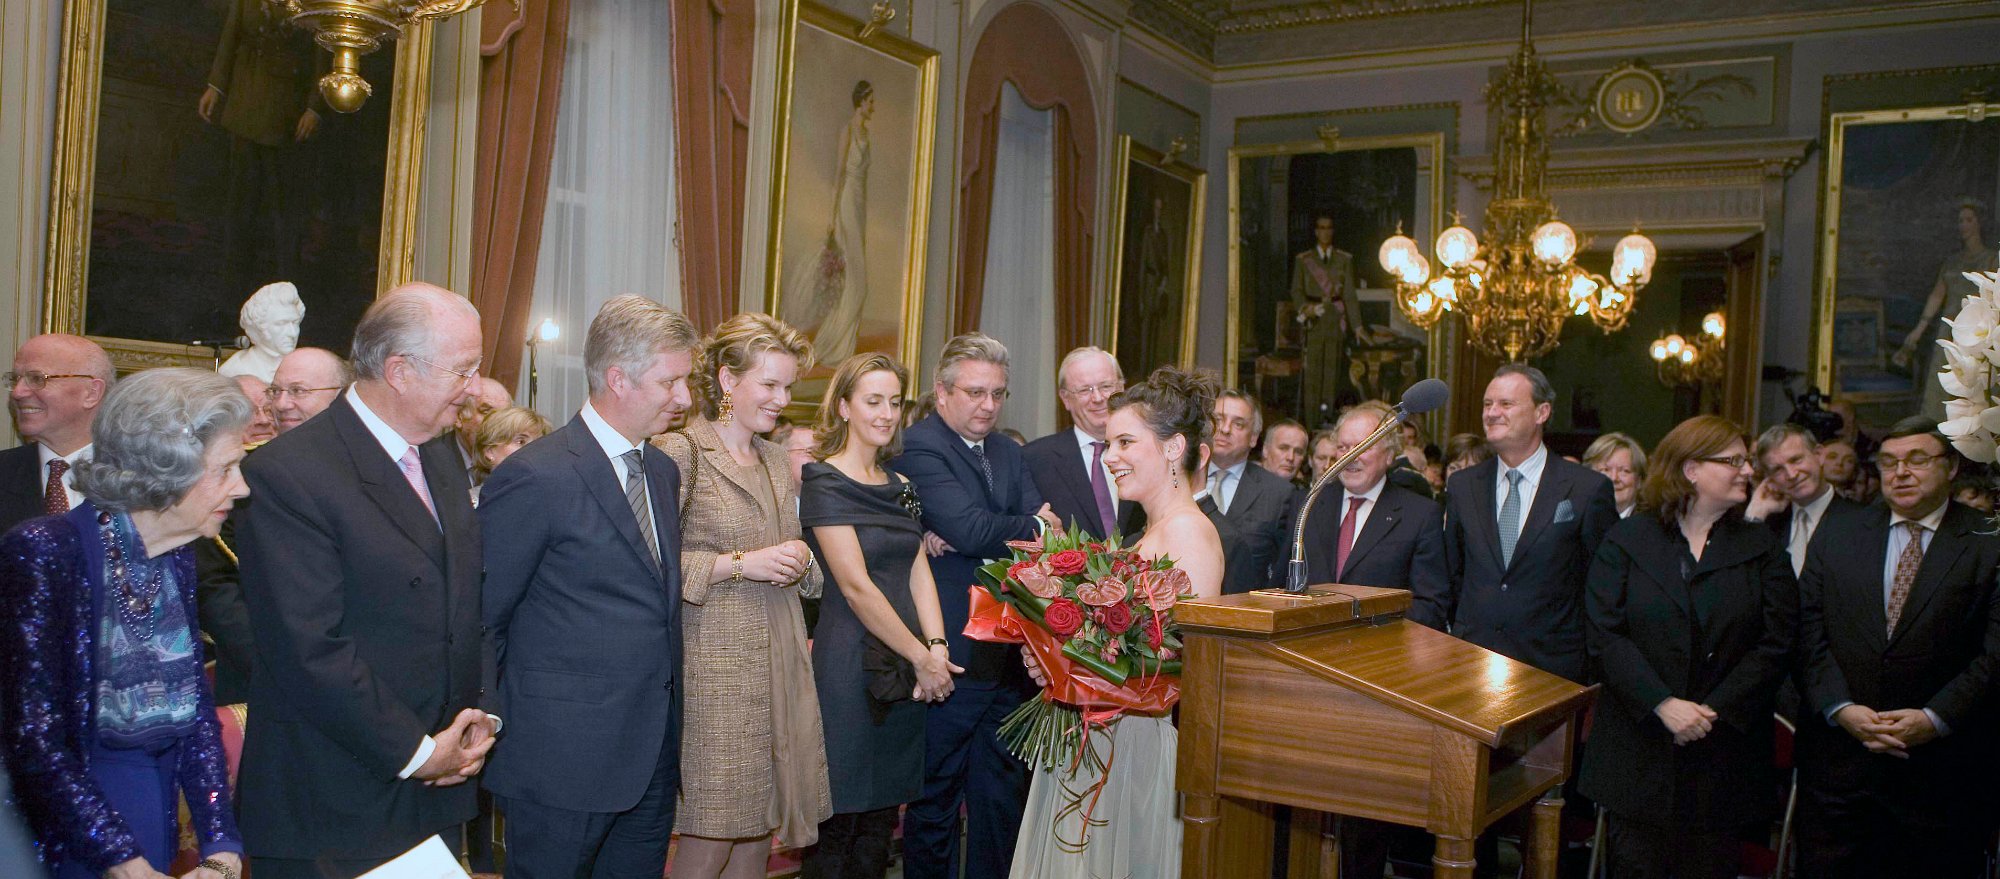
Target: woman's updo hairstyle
[
  {"x": 737, "y": 344},
  {"x": 1175, "y": 401}
]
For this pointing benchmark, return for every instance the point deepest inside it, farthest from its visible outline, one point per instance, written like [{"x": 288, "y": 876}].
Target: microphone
[
  {"x": 238, "y": 342},
  {"x": 1424, "y": 396}
]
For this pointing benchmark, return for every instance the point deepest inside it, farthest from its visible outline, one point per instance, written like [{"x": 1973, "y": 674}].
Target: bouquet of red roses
[{"x": 1099, "y": 620}]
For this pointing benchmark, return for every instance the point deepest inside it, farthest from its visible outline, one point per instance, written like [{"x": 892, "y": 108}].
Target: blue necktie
[{"x": 1510, "y": 518}]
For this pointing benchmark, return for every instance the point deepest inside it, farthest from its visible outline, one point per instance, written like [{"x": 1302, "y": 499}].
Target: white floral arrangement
[{"x": 1972, "y": 354}]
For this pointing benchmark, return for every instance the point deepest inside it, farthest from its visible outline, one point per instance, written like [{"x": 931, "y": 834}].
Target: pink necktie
[
  {"x": 413, "y": 470},
  {"x": 1346, "y": 535}
]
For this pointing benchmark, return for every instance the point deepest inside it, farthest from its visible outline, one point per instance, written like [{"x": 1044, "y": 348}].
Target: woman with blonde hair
[
  {"x": 1689, "y": 615},
  {"x": 1623, "y": 461},
  {"x": 879, "y": 652},
  {"x": 752, "y": 758},
  {"x": 503, "y": 433}
]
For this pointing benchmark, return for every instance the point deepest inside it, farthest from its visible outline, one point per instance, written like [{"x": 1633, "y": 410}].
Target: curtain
[
  {"x": 715, "y": 45},
  {"x": 1026, "y": 47},
  {"x": 609, "y": 225},
  {"x": 520, "y": 79},
  {"x": 1020, "y": 259}
]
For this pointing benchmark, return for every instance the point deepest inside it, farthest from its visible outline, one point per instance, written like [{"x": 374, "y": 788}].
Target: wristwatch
[{"x": 935, "y": 642}]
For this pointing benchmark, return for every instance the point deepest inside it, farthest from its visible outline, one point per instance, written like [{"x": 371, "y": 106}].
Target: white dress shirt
[
  {"x": 1805, "y": 520},
  {"x": 1084, "y": 442},
  {"x": 1531, "y": 479},
  {"x": 46, "y": 455},
  {"x": 394, "y": 445},
  {"x": 1225, "y": 488},
  {"x": 1368, "y": 499},
  {"x": 615, "y": 445}
]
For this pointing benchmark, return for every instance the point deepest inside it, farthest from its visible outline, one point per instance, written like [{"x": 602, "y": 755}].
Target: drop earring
[{"x": 728, "y": 409}]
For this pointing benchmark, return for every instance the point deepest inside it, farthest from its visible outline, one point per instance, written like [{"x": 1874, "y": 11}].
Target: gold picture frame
[
  {"x": 1843, "y": 364},
  {"x": 1137, "y": 156},
  {"x": 1429, "y": 221},
  {"x": 74, "y": 171},
  {"x": 817, "y": 118}
]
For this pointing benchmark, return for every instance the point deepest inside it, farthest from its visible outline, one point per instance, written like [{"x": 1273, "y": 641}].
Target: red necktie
[
  {"x": 1346, "y": 535},
  {"x": 55, "y": 497}
]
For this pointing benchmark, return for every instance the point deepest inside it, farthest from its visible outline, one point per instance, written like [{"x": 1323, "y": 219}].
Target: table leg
[
  {"x": 1201, "y": 823},
  {"x": 1453, "y": 858},
  {"x": 1544, "y": 836}
]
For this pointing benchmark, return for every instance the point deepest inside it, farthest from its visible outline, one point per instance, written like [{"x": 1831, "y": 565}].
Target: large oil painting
[
  {"x": 854, "y": 168},
  {"x": 1908, "y": 210},
  {"x": 200, "y": 163},
  {"x": 1313, "y": 324},
  {"x": 1159, "y": 259}
]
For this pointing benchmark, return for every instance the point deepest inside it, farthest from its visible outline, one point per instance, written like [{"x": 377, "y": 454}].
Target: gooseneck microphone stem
[{"x": 1422, "y": 397}]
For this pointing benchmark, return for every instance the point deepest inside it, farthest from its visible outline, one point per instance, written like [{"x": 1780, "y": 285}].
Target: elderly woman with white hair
[{"x": 109, "y": 721}]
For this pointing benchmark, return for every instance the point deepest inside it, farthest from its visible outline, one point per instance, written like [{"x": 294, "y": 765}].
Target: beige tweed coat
[{"x": 751, "y": 764}]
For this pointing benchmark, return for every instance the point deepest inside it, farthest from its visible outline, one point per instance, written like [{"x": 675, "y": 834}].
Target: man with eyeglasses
[
  {"x": 1900, "y": 643},
  {"x": 55, "y": 387},
  {"x": 305, "y": 384},
  {"x": 1068, "y": 466},
  {"x": 976, "y": 495},
  {"x": 361, "y": 570}
]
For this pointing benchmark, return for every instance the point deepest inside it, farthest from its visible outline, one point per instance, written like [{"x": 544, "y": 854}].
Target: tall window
[
  {"x": 1019, "y": 305},
  {"x": 609, "y": 229}
]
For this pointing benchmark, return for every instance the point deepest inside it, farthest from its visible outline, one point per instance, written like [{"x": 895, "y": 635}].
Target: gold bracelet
[
  {"x": 736, "y": 566},
  {"x": 219, "y": 867}
]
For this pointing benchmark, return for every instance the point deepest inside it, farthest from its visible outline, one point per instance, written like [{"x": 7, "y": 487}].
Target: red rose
[
  {"x": 1115, "y": 618},
  {"x": 1154, "y": 637},
  {"x": 1063, "y": 617},
  {"x": 1095, "y": 547},
  {"x": 1068, "y": 563}
]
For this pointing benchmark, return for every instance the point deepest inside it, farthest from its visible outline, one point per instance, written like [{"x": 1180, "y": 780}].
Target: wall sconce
[{"x": 544, "y": 334}]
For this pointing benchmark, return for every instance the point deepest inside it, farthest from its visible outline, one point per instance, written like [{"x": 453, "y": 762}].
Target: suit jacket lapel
[
  {"x": 1246, "y": 493},
  {"x": 1075, "y": 478},
  {"x": 1549, "y": 494},
  {"x": 663, "y": 486},
  {"x": 1867, "y": 596},
  {"x": 602, "y": 479},
  {"x": 1486, "y": 518},
  {"x": 1946, "y": 546},
  {"x": 1388, "y": 511},
  {"x": 382, "y": 481}
]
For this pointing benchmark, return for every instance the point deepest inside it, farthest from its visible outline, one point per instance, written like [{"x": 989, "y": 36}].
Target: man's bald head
[
  {"x": 488, "y": 396},
  {"x": 74, "y": 374},
  {"x": 305, "y": 384}
]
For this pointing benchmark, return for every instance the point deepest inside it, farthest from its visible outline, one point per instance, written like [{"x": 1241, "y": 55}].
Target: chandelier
[
  {"x": 353, "y": 28},
  {"x": 1694, "y": 361},
  {"x": 1514, "y": 290}
]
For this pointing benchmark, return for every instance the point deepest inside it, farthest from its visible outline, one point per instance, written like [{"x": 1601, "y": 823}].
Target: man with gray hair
[
  {"x": 1068, "y": 466},
  {"x": 488, "y": 396},
  {"x": 1520, "y": 532},
  {"x": 361, "y": 569},
  {"x": 54, "y": 389},
  {"x": 583, "y": 600},
  {"x": 1792, "y": 498},
  {"x": 977, "y": 495}
]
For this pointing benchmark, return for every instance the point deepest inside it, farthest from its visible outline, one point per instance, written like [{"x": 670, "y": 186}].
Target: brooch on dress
[{"x": 907, "y": 496}]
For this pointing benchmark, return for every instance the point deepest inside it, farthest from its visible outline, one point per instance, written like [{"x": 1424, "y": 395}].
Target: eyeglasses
[
  {"x": 466, "y": 376},
  {"x": 1733, "y": 462},
  {"x": 981, "y": 395},
  {"x": 1106, "y": 390},
  {"x": 35, "y": 381},
  {"x": 1916, "y": 462},
  {"x": 275, "y": 394}
]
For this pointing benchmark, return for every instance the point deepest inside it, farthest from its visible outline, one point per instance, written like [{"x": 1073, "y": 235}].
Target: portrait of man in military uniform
[{"x": 1326, "y": 308}]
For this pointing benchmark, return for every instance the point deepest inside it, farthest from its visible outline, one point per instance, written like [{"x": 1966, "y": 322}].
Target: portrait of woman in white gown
[
  {"x": 826, "y": 288},
  {"x": 1158, "y": 434}
]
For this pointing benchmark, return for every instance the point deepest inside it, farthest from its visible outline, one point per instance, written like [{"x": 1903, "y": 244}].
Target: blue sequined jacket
[{"x": 51, "y": 574}]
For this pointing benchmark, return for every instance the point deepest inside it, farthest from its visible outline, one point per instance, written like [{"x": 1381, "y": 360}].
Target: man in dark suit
[
  {"x": 976, "y": 496},
  {"x": 584, "y": 609},
  {"x": 1250, "y": 506},
  {"x": 1900, "y": 639},
  {"x": 1520, "y": 532},
  {"x": 1068, "y": 466},
  {"x": 55, "y": 387},
  {"x": 1366, "y": 530},
  {"x": 361, "y": 569},
  {"x": 1793, "y": 499}
]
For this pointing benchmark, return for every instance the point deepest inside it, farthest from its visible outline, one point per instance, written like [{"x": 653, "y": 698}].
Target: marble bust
[{"x": 270, "y": 318}]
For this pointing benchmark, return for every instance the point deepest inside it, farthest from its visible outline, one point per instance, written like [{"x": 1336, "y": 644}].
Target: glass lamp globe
[
  {"x": 1555, "y": 242},
  {"x": 1659, "y": 350},
  {"x": 1456, "y": 247},
  {"x": 1712, "y": 324},
  {"x": 1687, "y": 355},
  {"x": 1675, "y": 345},
  {"x": 1445, "y": 291},
  {"x": 548, "y": 331},
  {"x": 1423, "y": 302},
  {"x": 1632, "y": 262},
  {"x": 1397, "y": 253},
  {"x": 1416, "y": 270}
]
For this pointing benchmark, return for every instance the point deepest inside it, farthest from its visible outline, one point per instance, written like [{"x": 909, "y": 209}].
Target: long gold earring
[{"x": 728, "y": 409}]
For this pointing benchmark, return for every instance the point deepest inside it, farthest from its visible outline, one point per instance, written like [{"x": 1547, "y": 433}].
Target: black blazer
[
  {"x": 1532, "y": 609},
  {"x": 1942, "y": 656},
  {"x": 1401, "y": 546},
  {"x": 368, "y": 639},
  {"x": 1254, "y": 545},
  {"x": 224, "y": 618},
  {"x": 21, "y": 483},
  {"x": 1721, "y": 636},
  {"x": 1055, "y": 463},
  {"x": 1780, "y": 523},
  {"x": 977, "y": 521},
  {"x": 586, "y": 625}
]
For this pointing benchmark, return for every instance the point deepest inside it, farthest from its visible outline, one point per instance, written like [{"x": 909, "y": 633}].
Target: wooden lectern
[{"x": 1335, "y": 703}]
